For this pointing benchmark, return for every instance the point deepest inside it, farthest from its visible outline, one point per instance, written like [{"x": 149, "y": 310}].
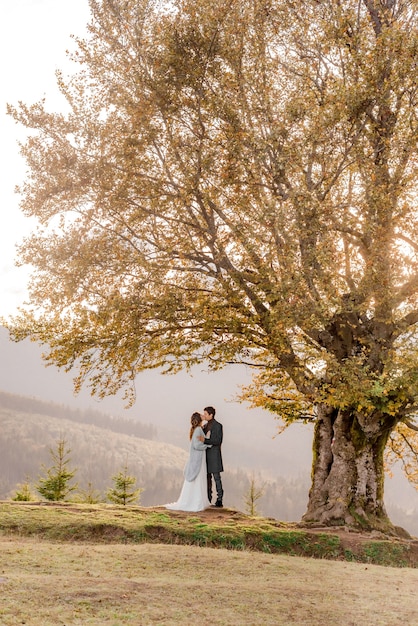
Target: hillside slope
[{"x": 97, "y": 453}]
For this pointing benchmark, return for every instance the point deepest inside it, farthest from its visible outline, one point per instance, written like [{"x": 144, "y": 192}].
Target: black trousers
[{"x": 218, "y": 484}]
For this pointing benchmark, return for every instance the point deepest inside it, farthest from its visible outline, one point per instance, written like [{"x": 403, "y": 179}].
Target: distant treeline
[{"x": 24, "y": 404}]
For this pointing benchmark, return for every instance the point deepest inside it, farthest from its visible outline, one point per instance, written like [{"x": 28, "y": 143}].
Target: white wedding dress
[{"x": 194, "y": 493}]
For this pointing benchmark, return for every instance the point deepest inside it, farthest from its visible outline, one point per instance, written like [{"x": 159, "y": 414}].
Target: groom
[{"x": 213, "y": 454}]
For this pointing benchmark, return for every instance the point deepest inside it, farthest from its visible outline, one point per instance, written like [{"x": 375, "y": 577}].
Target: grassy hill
[
  {"x": 103, "y": 564},
  {"x": 216, "y": 528}
]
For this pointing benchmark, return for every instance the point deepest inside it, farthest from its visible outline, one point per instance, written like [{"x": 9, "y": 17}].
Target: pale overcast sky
[{"x": 34, "y": 37}]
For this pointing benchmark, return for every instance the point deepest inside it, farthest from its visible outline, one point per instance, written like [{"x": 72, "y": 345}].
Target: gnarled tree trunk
[{"x": 348, "y": 471}]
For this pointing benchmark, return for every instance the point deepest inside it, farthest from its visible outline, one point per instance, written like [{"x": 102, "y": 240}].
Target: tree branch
[{"x": 410, "y": 424}]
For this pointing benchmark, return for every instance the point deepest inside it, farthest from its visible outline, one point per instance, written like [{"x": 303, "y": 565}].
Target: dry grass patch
[{"x": 50, "y": 584}]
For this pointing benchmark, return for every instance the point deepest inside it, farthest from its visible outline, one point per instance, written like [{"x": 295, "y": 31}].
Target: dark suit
[{"x": 214, "y": 458}]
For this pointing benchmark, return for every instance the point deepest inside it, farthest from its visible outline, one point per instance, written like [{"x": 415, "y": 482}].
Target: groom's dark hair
[{"x": 210, "y": 410}]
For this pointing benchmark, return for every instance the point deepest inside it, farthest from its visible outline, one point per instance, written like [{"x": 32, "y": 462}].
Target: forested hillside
[
  {"x": 124, "y": 425},
  {"x": 97, "y": 453}
]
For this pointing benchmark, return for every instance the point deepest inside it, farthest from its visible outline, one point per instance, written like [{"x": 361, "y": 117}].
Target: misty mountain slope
[
  {"x": 26, "y": 404},
  {"x": 46, "y": 430},
  {"x": 26, "y": 440}
]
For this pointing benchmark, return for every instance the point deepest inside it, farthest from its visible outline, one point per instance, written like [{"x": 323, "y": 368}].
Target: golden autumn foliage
[{"x": 236, "y": 182}]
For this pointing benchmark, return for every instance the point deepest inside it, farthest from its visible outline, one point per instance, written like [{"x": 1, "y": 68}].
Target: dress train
[{"x": 194, "y": 494}]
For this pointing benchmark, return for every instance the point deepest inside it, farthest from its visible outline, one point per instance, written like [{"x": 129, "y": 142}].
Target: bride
[{"x": 194, "y": 493}]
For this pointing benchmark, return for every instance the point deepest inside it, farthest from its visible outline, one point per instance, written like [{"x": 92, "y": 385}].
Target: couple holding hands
[{"x": 203, "y": 466}]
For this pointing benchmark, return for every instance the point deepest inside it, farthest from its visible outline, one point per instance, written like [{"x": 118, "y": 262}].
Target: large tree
[{"x": 234, "y": 182}]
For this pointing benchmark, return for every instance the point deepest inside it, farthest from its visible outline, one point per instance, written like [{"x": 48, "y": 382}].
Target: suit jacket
[{"x": 214, "y": 454}]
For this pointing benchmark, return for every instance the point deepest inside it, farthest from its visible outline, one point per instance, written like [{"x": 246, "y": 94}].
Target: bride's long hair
[{"x": 195, "y": 420}]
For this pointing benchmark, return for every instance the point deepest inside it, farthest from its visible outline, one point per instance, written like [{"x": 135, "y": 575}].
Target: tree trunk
[{"x": 347, "y": 470}]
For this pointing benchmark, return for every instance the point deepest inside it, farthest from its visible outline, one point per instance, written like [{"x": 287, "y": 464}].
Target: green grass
[
  {"x": 382, "y": 553},
  {"x": 231, "y": 530}
]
